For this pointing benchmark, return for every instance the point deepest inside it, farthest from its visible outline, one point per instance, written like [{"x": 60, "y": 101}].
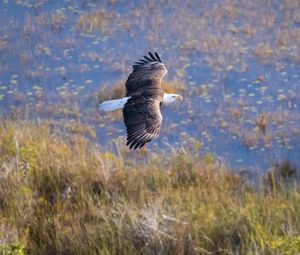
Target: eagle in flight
[{"x": 144, "y": 96}]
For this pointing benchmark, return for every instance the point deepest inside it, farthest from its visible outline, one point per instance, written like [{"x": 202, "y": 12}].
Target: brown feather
[
  {"x": 142, "y": 115},
  {"x": 146, "y": 76},
  {"x": 143, "y": 119}
]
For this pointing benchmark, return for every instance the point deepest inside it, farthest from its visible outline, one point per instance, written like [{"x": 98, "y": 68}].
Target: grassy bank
[{"x": 67, "y": 196}]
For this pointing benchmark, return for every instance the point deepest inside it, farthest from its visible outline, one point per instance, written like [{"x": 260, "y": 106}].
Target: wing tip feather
[
  {"x": 147, "y": 59},
  {"x": 157, "y": 56}
]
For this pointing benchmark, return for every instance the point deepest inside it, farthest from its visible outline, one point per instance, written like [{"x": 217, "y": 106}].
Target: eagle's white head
[{"x": 170, "y": 98}]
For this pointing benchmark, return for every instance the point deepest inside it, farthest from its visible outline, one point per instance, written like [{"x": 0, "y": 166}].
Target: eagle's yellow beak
[{"x": 180, "y": 98}]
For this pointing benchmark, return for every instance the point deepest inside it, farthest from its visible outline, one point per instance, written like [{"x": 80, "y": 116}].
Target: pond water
[{"x": 235, "y": 62}]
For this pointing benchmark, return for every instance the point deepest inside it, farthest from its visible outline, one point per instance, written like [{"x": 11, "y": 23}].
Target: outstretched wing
[
  {"x": 143, "y": 119},
  {"x": 146, "y": 76}
]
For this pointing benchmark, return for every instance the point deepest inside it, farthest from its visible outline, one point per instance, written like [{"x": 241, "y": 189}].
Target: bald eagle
[{"x": 144, "y": 96}]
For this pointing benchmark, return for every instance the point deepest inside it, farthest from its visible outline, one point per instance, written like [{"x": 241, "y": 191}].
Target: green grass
[{"x": 67, "y": 196}]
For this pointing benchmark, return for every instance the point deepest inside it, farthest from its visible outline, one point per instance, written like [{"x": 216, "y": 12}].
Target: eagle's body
[{"x": 141, "y": 106}]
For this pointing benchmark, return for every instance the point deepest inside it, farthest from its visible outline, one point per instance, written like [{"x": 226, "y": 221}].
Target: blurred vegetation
[
  {"x": 60, "y": 193},
  {"x": 67, "y": 196},
  {"x": 225, "y": 31}
]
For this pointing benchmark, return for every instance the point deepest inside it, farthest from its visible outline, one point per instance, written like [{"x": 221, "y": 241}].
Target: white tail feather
[{"x": 112, "y": 105}]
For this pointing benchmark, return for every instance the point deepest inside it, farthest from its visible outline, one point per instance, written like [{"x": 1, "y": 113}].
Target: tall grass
[{"x": 67, "y": 196}]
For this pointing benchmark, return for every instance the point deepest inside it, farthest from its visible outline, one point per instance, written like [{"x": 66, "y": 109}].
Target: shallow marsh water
[{"x": 235, "y": 62}]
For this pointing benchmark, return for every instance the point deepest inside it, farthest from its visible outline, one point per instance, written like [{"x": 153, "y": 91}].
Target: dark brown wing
[
  {"x": 143, "y": 119},
  {"x": 146, "y": 76}
]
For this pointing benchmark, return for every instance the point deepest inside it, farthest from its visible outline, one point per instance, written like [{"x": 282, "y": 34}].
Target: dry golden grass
[{"x": 64, "y": 196}]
